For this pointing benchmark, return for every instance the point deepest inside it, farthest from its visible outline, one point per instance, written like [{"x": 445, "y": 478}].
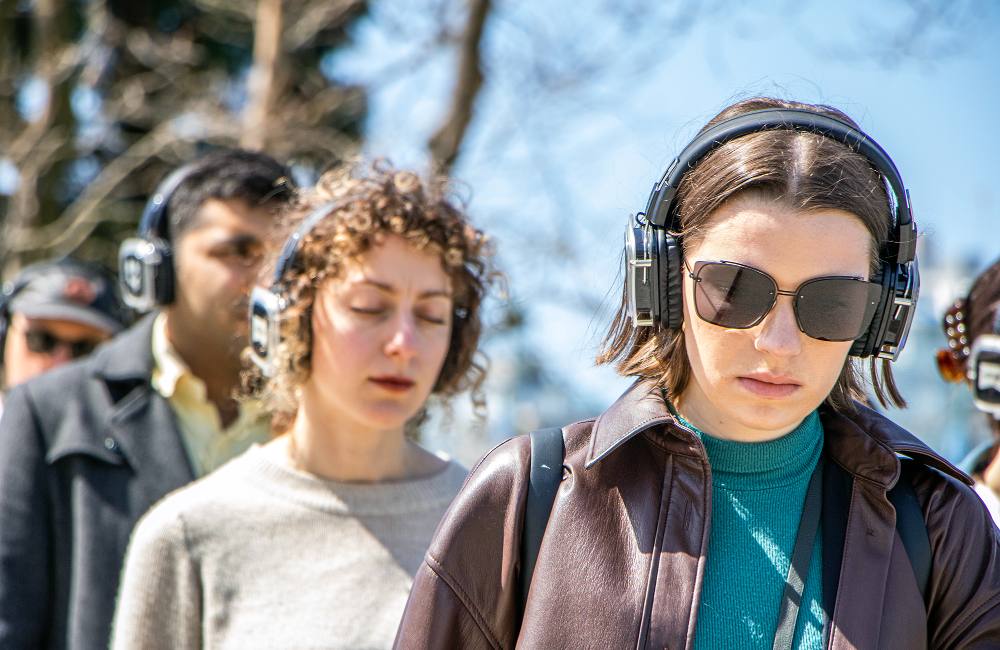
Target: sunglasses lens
[
  {"x": 40, "y": 341},
  {"x": 733, "y": 296},
  {"x": 836, "y": 309},
  {"x": 79, "y": 349}
]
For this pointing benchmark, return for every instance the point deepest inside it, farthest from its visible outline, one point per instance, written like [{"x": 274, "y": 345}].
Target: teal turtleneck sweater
[{"x": 758, "y": 492}]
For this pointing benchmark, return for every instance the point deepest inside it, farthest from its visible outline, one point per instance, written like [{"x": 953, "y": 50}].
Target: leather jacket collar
[{"x": 864, "y": 443}]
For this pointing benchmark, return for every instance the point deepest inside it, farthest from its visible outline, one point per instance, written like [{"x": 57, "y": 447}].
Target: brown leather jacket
[{"x": 623, "y": 557}]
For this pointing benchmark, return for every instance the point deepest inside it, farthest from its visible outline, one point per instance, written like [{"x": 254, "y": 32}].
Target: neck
[
  {"x": 991, "y": 475},
  {"x": 218, "y": 370},
  {"x": 337, "y": 450},
  {"x": 707, "y": 419}
]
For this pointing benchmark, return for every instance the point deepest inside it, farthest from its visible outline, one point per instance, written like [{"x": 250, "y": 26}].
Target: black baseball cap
[{"x": 70, "y": 290}]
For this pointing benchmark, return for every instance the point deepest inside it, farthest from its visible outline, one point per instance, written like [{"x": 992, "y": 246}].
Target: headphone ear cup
[
  {"x": 866, "y": 344},
  {"x": 669, "y": 257},
  {"x": 165, "y": 274},
  {"x": 4, "y": 322}
]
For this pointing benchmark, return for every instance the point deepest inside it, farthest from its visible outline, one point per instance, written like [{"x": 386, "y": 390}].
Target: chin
[
  {"x": 387, "y": 417},
  {"x": 773, "y": 416}
]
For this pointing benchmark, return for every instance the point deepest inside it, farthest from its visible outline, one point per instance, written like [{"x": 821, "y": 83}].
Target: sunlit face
[
  {"x": 760, "y": 383},
  {"x": 217, "y": 260},
  {"x": 21, "y": 362},
  {"x": 380, "y": 335}
]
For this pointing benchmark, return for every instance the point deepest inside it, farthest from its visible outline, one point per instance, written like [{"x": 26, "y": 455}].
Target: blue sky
[{"x": 554, "y": 167}]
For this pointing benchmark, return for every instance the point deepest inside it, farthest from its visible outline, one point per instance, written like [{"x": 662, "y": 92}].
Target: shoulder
[
  {"x": 453, "y": 478},
  {"x": 950, "y": 504},
  {"x": 489, "y": 490},
  {"x": 200, "y": 509},
  {"x": 493, "y": 495},
  {"x": 55, "y": 388},
  {"x": 887, "y": 440}
]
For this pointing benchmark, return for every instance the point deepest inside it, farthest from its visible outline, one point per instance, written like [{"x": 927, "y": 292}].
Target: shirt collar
[{"x": 168, "y": 367}]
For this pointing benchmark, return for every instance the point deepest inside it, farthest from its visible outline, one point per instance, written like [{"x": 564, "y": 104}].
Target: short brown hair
[
  {"x": 371, "y": 201},
  {"x": 802, "y": 170}
]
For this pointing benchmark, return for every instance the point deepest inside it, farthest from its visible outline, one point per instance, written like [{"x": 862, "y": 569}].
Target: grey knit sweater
[{"x": 259, "y": 555}]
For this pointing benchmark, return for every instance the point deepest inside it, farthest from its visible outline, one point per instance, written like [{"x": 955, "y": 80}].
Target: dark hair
[
  {"x": 966, "y": 320},
  {"x": 802, "y": 170},
  {"x": 225, "y": 174},
  {"x": 374, "y": 201},
  {"x": 983, "y": 304}
]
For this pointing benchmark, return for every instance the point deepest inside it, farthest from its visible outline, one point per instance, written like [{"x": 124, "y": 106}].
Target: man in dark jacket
[{"x": 87, "y": 448}]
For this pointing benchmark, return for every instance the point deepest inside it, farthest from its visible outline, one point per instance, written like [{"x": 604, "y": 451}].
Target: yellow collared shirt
[{"x": 208, "y": 445}]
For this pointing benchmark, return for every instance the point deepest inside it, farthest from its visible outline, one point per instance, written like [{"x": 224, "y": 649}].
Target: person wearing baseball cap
[{"x": 53, "y": 312}]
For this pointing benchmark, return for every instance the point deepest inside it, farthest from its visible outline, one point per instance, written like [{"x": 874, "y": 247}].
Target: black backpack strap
[
  {"x": 837, "y": 486},
  {"x": 543, "y": 482},
  {"x": 912, "y": 527}
]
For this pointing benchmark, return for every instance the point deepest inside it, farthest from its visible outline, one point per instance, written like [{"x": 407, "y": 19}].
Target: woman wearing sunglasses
[
  {"x": 739, "y": 494},
  {"x": 972, "y": 357},
  {"x": 312, "y": 540}
]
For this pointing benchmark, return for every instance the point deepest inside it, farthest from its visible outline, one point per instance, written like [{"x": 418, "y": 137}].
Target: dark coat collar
[
  {"x": 136, "y": 426},
  {"x": 129, "y": 356},
  {"x": 865, "y": 443}
]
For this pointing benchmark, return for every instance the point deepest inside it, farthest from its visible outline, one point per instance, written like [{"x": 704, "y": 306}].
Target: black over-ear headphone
[
  {"x": 267, "y": 306},
  {"x": 983, "y": 369},
  {"x": 654, "y": 258},
  {"x": 146, "y": 262}
]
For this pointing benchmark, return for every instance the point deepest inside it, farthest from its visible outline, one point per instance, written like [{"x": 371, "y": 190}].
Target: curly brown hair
[
  {"x": 803, "y": 170},
  {"x": 368, "y": 202}
]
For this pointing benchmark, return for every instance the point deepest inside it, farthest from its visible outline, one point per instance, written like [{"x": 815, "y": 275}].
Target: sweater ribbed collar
[
  {"x": 264, "y": 471},
  {"x": 763, "y": 465}
]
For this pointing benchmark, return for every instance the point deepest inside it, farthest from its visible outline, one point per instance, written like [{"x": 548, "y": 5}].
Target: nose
[
  {"x": 402, "y": 343},
  {"x": 779, "y": 333}
]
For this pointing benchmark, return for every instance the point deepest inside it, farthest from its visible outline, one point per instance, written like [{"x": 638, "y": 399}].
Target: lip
[
  {"x": 393, "y": 383},
  {"x": 764, "y": 384}
]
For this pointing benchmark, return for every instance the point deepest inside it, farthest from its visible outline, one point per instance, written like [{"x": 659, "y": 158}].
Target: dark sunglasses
[
  {"x": 737, "y": 296},
  {"x": 40, "y": 341}
]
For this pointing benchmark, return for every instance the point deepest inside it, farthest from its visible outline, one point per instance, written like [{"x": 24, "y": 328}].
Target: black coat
[{"x": 85, "y": 450}]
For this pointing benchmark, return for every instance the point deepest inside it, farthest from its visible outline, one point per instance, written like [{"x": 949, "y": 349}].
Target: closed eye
[
  {"x": 434, "y": 320},
  {"x": 368, "y": 311}
]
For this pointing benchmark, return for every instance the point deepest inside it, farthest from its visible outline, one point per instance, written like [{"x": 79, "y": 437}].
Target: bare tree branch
[
  {"x": 262, "y": 82},
  {"x": 318, "y": 17},
  {"x": 447, "y": 140},
  {"x": 78, "y": 221}
]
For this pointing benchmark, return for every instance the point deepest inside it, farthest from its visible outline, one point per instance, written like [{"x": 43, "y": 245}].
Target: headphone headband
[
  {"x": 267, "y": 306},
  {"x": 290, "y": 250},
  {"x": 660, "y": 208},
  {"x": 154, "y": 221},
  {"x": 654, "y": 255}
]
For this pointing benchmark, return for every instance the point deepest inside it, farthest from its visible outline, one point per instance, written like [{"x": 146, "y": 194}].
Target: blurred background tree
[
  {"x": 98, "y": 99},
  {"x": 559, "y": 114}
]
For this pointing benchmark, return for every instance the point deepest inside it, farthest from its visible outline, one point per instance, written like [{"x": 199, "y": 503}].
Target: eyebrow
[
  {"x": 241, "y": 238},
  {"x": 387, "y": 288}
]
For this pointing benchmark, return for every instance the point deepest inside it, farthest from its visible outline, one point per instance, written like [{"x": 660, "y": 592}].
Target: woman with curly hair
[{"x": 312, "y": 540}]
